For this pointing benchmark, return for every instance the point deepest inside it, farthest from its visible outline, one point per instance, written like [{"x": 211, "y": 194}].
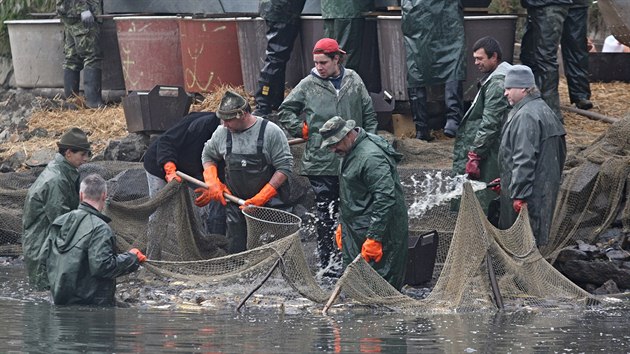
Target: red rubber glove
[
  {"x": 260, "y": 199},
  {"x": 338, "y": 236},
  {"x": 171, "y": 170},
  {"x": 496, "y": 188},
  {"x": 517, "y": 204},
  {"x": 305, "y": 131},
  {"x": 140, "y": 255},
  {"x": 372, "y": 250},
  {"x": 215, "y": 188},
  {"x": 472, "y": 166}
]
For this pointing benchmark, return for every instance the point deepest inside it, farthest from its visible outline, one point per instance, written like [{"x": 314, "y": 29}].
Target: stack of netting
[
  {"x": 470, "y": 250},
  {"x": 594, "y": 191}
]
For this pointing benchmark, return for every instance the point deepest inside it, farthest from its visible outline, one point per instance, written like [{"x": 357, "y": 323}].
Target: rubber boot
[
  {"x": 92, "y": 87},
  {"x": 418, "y": 105},
  {"x": 71, "y": 80},
  {"x": 453, "y": 98}
]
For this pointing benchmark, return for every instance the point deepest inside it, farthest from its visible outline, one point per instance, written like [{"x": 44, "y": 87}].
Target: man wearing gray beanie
[{"x": 531, "y": 155}]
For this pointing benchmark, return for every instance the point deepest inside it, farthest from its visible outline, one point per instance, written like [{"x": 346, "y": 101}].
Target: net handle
[{"x": 192, "y": 179}]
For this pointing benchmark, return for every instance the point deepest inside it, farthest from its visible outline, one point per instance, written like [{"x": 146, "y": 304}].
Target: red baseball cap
[{"x": 327, "y": 46}]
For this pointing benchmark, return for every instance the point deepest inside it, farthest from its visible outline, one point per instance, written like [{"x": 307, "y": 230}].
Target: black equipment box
[{"x": 421, "y": 258}]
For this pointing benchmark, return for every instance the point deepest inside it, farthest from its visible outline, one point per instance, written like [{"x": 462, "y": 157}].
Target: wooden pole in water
[
  {"x": 337, "y": 289},
  {"x": 498, "y": 299},
  {"x": 275, "y": 265}
]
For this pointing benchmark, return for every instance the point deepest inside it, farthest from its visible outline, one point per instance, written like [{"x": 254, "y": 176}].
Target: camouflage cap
[
  {"x": 74, "y": 138},
  {"x": 232, "y": 106},
  {"x": 334, "y": 130}
]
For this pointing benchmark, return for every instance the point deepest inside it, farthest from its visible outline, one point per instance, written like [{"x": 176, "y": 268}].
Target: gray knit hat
[
  {"x": 334, "y": 130},
  {"x": 232, "y": 106},
  {"x": 74, "y": 138},
  {"x": 519, "y": 76}
]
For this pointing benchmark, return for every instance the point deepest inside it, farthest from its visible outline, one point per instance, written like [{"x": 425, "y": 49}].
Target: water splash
[{"x": 436, "y": 188}]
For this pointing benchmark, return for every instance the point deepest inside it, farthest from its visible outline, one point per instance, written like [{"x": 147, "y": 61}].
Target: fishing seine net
[{"x": 170, "y": 229}]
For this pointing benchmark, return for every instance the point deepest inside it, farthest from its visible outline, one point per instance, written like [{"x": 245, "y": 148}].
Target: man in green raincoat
[
  {"x": 435, "y": 47},
  {"x": 81, "y": 258},
  {"x": 373, "y": 214},
  {"x": 54, "y": 192},
  {"x": 477, "y": 143},
  {"x": 329, "y": 90},
  {"x": 531, "y": 156},
  {"x": 344, "y": 21}
]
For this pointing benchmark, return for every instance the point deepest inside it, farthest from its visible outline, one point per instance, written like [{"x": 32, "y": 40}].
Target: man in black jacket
[{"x": 179, "y": 148}]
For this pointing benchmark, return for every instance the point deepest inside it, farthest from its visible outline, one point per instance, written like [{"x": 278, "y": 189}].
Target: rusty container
[
  {"x": 210, "y": 54},
  {"x": 150, "y": 52}
]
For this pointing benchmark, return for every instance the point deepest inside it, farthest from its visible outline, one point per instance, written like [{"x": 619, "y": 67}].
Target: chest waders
[{"x": 246, "y": 175}]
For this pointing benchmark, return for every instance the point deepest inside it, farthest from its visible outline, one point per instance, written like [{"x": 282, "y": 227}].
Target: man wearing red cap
[{"x": 329, "y": 90}]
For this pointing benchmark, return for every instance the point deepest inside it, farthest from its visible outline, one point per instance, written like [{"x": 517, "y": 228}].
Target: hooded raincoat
[
  {"x": 531, "y": 158},
  {"x": 373, "y": 205},
  {"x": 318, "y": 99},
  {"x": 55, "y": 192},
  {"x": 480, "y": 131},
  {"x": 82, "y": 262},
  {"x": 434, "y": 41}
]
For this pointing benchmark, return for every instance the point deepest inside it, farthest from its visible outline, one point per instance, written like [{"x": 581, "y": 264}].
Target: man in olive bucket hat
[
  {"x": 54, "y": 192},
  {"x": 372, "y": 210},
  {"x": 258, "y": 162}
]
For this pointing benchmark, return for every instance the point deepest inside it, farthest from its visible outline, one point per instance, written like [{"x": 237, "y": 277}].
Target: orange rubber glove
[
  {"x": 171, "y": 170},
  {"x": 260, "y": 199},
  {"x": 140, "y": 255},
  {"x": 496, "y": 188},
  {"x": 305, "y": 131},
  {"x": 372, "y": 250},
  {"x": 517, "y": 204},
  {"x": 215, "y": 188},
  {"x": 338, "y": 236}
]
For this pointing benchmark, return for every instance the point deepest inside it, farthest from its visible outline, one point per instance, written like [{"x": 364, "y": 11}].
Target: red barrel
[
  {"x": 210, "y": 54},
  {"x": 150, "y": 52}
]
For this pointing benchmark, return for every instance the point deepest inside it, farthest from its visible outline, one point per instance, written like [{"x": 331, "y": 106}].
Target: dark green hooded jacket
[
  {"x": 434, "y": 41},
  {"x": 531, "y": 159},
  {"x": 372, "y": 205},
  {"x": 55, "y": 192},
  {"x": 82, "y": 262}
]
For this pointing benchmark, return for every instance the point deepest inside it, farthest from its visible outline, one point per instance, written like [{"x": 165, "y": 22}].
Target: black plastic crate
[
  {"x": 156, "y": 110},
  {"x": 421, "y": 258}
]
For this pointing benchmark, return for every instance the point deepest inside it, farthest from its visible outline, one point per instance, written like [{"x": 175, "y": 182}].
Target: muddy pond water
[{"x": 32, "y": 324}]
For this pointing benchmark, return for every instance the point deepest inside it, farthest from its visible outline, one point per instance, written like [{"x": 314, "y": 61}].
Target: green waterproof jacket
[
  {"x": 82, "y": 262},
  {"x": 372, "y": 205},
  {"x": 345, "y": 8},
  {"x": 480, "y": 131},
  {"x": 283, "y": 11},
  {"x": 531, "y": 159},
  {"x": 434, "y": 41},
  {"x": 319, "y": 101},
  {"x": 540, "y": 3},
  {"x": 55, "y": 192}
]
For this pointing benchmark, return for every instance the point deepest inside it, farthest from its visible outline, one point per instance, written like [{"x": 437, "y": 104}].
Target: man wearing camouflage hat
[
  {"x": 329, "y": 90},
  {"x": 54, "y": 192},
  {"x": 257, "y": 159},
  {"x": 372, "y": 210},
  {"x": 532, "y": 153}
]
